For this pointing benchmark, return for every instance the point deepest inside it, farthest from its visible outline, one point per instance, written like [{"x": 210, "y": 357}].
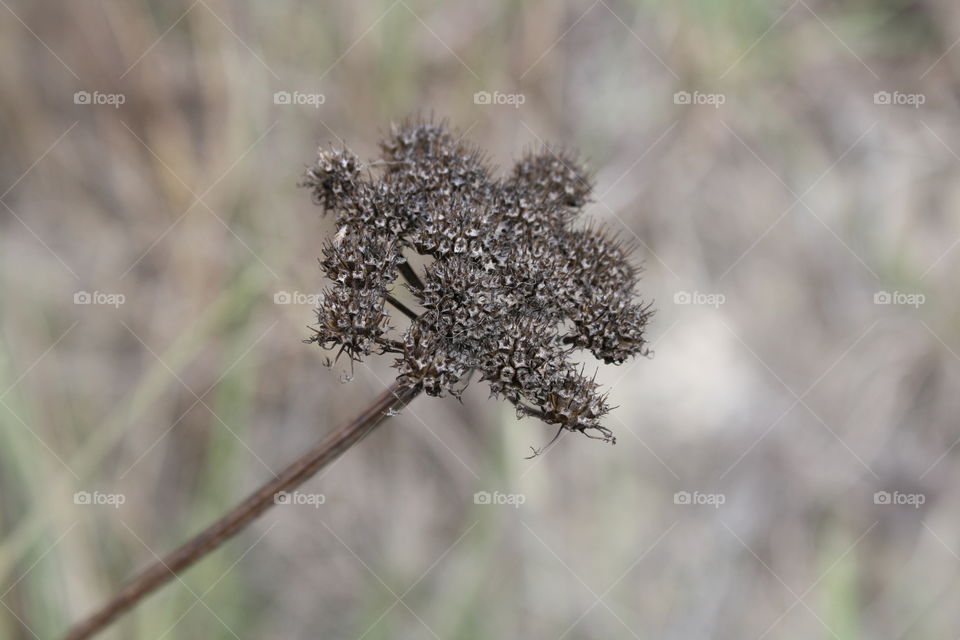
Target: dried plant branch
[
  {"x": 508, "y": 271},
  {"x": 402, "y": 308},
  {"x": 160, "y": 572},
  {"x": 410, "y": 275}
]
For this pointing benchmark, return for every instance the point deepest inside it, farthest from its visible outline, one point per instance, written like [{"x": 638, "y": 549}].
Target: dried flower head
[{"x": 510, "y": 290}]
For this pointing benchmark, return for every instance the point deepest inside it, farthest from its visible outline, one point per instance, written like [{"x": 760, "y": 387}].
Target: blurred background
[{"x": 786, "y": 462}]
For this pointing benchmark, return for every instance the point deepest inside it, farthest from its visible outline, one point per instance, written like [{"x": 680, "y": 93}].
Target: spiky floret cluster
[{"x": 510, "y": 291}]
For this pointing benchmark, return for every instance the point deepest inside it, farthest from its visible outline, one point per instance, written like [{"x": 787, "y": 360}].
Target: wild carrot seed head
[{"x": 513, "y": 289}]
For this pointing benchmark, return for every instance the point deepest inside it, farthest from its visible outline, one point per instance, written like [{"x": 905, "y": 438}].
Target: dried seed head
[
  {"x": 555, "y": 176},
  {"x": 333, "y": 179},
  {"x": 511, "y": 289}
]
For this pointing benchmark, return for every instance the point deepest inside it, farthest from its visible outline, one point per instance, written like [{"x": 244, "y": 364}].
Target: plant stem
[
  {"x": 160, "y": 572},
  {"x": 402, "y": 308},
  {"x": 410, "y": 274}
]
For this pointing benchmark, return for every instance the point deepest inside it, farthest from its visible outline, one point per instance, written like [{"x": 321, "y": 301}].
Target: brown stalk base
[{"x": 160, "y": 572}]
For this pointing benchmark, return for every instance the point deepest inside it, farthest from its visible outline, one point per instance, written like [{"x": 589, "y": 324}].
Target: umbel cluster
[{"x": 513, "y": 285}]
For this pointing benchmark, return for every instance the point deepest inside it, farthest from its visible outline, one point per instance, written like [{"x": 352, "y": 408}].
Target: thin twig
[
  {"x": 160, "y": 572},
  {"x": 410, "y": 275},
  {"x": 402, "y": 308}
]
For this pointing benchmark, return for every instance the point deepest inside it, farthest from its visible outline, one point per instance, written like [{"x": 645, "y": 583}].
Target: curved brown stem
[{"x": 160, "y": 572}]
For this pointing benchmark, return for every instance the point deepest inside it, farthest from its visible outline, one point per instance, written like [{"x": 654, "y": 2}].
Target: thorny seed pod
[{"x": 512, "y": 288}]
